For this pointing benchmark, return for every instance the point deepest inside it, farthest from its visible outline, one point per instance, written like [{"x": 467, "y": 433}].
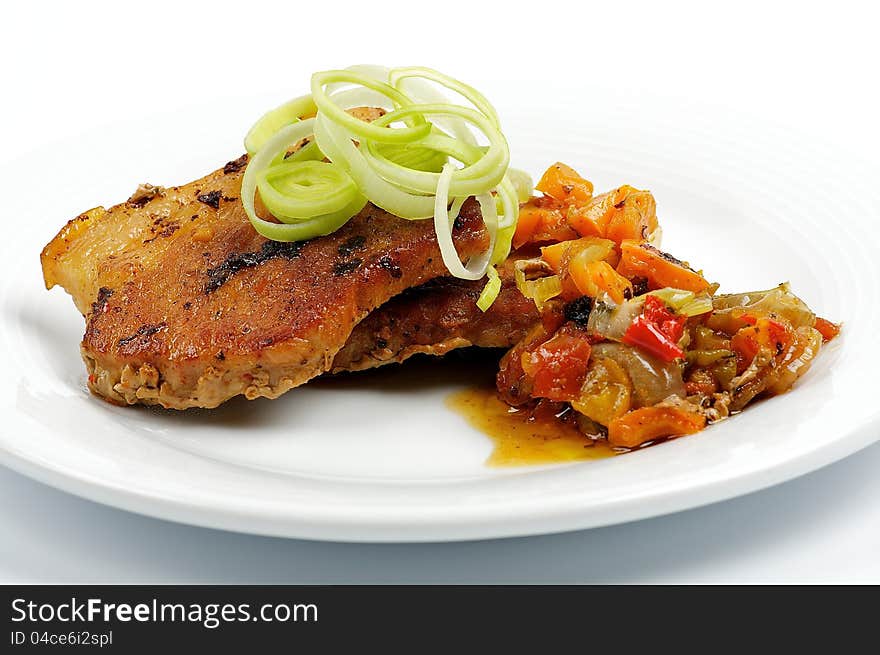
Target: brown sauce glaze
[{"x": 522, "y": 439}]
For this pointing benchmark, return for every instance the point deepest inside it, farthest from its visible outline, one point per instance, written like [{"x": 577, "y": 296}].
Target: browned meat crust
[
  {"x": 435, "y": 318},
  {"x": 187, "y": 306}
]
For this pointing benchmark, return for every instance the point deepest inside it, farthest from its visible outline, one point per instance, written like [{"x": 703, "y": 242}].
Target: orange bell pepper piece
[
  {"x": 593, "y": 278},
  {"x": 564, "y": 184},
  {"x": 530, "y": 218},
  {"x": 542, "y": 220},
  {"x": 648, "y": 423},
  {"x": 625, "y": 213},
  {"x": 661, "y": 270}
]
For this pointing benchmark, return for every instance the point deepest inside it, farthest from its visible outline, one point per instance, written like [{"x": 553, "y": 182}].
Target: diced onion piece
[
  {"x": 540, "y": 289},
  {"x": 779, "y": 300},
  {"x": 702, "y": 304},
  {"x": 653, "y": 380},
  {"x": 612, "y": 322},
  {"x": 685, "y": 303},
  {"x": 674, "y": 298}
]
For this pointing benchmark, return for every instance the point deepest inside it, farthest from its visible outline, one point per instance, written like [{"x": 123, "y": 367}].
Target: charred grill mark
[
  {"x": 286, "y": 249},
  {"x": 167, "y": 229},
  {"x": 212, "y": 198},
  {"x": 100, "y": 304},
  {"x": 346, "y": 267},
  {"x": 99, "y": 307},
  {"x": 386, "y": 262},
  {"x": 381, "y": 344},
  {"x": 349, "y": 246},
  {"x": 219, "y": 275},
  {"x": 137, "y": 203},
  {"x": 235, "y": 165},
  {"x": 143, "y": 331}
]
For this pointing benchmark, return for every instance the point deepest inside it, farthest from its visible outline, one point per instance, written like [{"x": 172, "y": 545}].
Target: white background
[{"x": 68, "y": 68}]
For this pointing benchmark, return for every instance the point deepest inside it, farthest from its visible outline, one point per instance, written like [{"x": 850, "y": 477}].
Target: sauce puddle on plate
[{"x": 520, "y": 440}]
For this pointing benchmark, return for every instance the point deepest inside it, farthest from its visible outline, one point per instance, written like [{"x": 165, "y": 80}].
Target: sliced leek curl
[
  {"x": 421, "y": 160},
  {"x": 331, "y": 196}
]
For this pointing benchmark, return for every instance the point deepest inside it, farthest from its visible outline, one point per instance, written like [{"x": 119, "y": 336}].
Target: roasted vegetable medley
[{"x": 634, "y": 345}]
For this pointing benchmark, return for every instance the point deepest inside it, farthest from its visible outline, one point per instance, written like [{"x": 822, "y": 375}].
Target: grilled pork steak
[
  {"x": 187, "y": 306},
  {"x": 437, "y": 317}
]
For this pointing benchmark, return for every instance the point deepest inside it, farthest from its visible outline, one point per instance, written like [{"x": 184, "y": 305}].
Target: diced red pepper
[
  {"x": 558, "y": 366},
  {"x": 657, "y": 330},
  {"x": 668, "y": 322},
  {"x": 646, "y": 335}
]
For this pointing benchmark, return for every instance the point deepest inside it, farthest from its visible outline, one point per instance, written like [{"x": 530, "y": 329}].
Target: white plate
[{"x": 381, "y": 458}]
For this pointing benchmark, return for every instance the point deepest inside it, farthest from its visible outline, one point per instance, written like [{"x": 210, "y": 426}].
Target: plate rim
[{"x": 471, "y": 528}]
